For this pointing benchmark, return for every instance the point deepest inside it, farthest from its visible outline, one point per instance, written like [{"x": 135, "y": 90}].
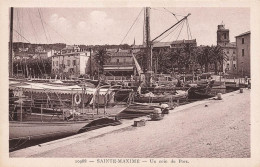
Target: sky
[{"x": 99, "y": 26}]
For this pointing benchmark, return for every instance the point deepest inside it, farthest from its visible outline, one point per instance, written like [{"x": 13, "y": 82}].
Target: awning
[{"x": 118, "y": 68}]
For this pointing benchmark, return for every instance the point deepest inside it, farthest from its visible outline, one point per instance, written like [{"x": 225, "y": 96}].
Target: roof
[
  {"x": 117, "y": 68},
  {"x": 229, "y": 45},
  {"x": 168, "y": 44},
  {"x": 71, "y": 47},
  {"x": 184, "y": 41},
  {"x": 243, "y": 34},
  {"x": 162, "y": 44}
]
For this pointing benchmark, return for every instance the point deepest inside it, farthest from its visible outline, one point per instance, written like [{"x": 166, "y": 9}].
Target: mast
[
  {"x": 90, "y": 63},
  {"x": 11, "y": 43},
  {"x": 148, "y": 45}
]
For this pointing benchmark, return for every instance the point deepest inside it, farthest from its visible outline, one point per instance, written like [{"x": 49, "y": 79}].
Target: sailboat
[
  {"x": 27, "y": 121},
  {"x": 150, "y": 97}
]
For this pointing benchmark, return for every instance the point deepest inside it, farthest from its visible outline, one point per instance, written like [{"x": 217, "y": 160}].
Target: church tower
[{"x": 222, "y": 35}]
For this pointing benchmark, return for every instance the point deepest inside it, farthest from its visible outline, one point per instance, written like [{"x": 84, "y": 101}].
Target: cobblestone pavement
[{"x": 216, "y": 129}]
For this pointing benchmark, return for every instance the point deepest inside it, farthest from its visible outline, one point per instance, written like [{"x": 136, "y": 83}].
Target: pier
[{"x": 204, "y": 129}]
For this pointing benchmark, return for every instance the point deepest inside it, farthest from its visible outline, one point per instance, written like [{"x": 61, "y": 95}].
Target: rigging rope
[
  {"x": 34, "y": 32},
  {"x": 172, "y": 14},
  {"x": 189, "y": 28},
  {"x": 21, "y": 35},
  {"x": 180, "y": 31},
  {"x": 170, "y": 33},
  {"x": 168, "y": 12},
  {"x": 56, "y": 32},
  {"x": 42, "y": 25},
  {"x": 131, "y": 26}
]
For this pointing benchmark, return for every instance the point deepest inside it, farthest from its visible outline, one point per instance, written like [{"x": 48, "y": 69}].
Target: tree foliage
[
  {"x": 185, "y": 59},
  {"x": 101, "y": 57},
  {"x": 32, "y": 67}
]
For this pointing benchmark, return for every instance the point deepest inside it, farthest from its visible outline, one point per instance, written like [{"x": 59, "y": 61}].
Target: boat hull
[
  {"x": 43, "y": 130},
  {"x": 159, "y": 99},
  {"x": 199, "y": 95}
]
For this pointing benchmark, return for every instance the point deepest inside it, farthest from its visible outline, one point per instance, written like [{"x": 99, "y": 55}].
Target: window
[
  {"x": 225, "y": 36},
  {"x": 57, "y": 63},
  {"x": 243, "y": 52},
  {"x": 117, "y": 60},
  {"x": 68, "y": 62},
  {"x": 74, "y": 62},
  {"x": 234, "y": 52},
  {"x": 227, "y": 51},
  {"x": 243, "y": 41}
]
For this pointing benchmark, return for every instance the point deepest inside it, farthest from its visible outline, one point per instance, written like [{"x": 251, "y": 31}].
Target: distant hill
[
  {"x": 32, "y": 47},
  {"x": 59, "y": 46}
]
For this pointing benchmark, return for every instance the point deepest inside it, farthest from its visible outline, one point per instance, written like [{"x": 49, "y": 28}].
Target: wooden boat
[
  {"x": 152, "y": 98},
  {"x": 42, "y": 130},
  {"x": 44, "y": 123},
  {"x": 136, "y": 110},
  {"x": 140, "y": 108},
  {"x": 232, "y": 87},
  {"x": 122, "y": 95},
  {"x": 199, "y": 95},
  {"x": 78, "y": 95}
]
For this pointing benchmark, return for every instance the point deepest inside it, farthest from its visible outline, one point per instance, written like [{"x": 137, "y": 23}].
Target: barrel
[
  {"x": 219, "y": 96},
  {"x": 241, "y": 90}
]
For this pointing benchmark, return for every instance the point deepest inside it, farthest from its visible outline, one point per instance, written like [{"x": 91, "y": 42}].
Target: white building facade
[{"x": 70, "y": 62}]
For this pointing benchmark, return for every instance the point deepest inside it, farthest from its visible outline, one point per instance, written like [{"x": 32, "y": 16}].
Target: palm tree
[
  {"x": 203, "y": 57},
  {"x": 200, "y": 57},
  {"x": 101, "y": 57},
  {"x": 218, "y": 56},
  {"x": 176, "y": 58},
  {"x": 160, "y": 60},
  {"x": 190, "y": 56}
]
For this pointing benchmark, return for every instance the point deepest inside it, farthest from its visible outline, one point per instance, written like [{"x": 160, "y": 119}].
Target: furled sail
[{"x": 139, "y": 70}]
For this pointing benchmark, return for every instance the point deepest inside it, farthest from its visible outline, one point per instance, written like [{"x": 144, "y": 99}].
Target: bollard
[
  {"x": 219, "y": 96},
  {"x": 139, "y": 123},
  {"x": 241, "y": 90}
]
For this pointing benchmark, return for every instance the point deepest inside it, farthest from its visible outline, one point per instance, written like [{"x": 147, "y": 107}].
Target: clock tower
[{"x": 222, "y": 35}]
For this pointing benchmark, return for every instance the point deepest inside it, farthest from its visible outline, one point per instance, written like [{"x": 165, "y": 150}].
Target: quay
[{"x": 204, "y": 129}]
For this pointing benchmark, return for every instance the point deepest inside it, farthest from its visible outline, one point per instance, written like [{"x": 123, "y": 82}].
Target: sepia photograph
[{"x": 129, "y": 85}]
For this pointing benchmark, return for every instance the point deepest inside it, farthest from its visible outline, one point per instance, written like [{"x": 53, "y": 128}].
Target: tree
[
  {"x": 101, "y": 57},
  {"x": 160, "y": 61},
  {"x": 176, "y": 58},
  {"x": 190, "y": 56},
  {"x": 218, "y": 57},
  {"x": 204, "y": 57}
]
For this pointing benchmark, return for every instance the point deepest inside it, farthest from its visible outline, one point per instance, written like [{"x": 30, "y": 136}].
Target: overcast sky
[{"x": 98, "y": 26}]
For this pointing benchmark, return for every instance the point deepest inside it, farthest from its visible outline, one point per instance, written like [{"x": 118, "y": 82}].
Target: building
[
  {"x": 230, "y": 65},
  {"x": 70, "y": 62},
  {"x": 39, "y": 49},
  {"x": 120, "y": 63},
  {"x": 166, "y": 45},
  {"x": 174, "y": 44},
  {"x": 243, "y": 53}
]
